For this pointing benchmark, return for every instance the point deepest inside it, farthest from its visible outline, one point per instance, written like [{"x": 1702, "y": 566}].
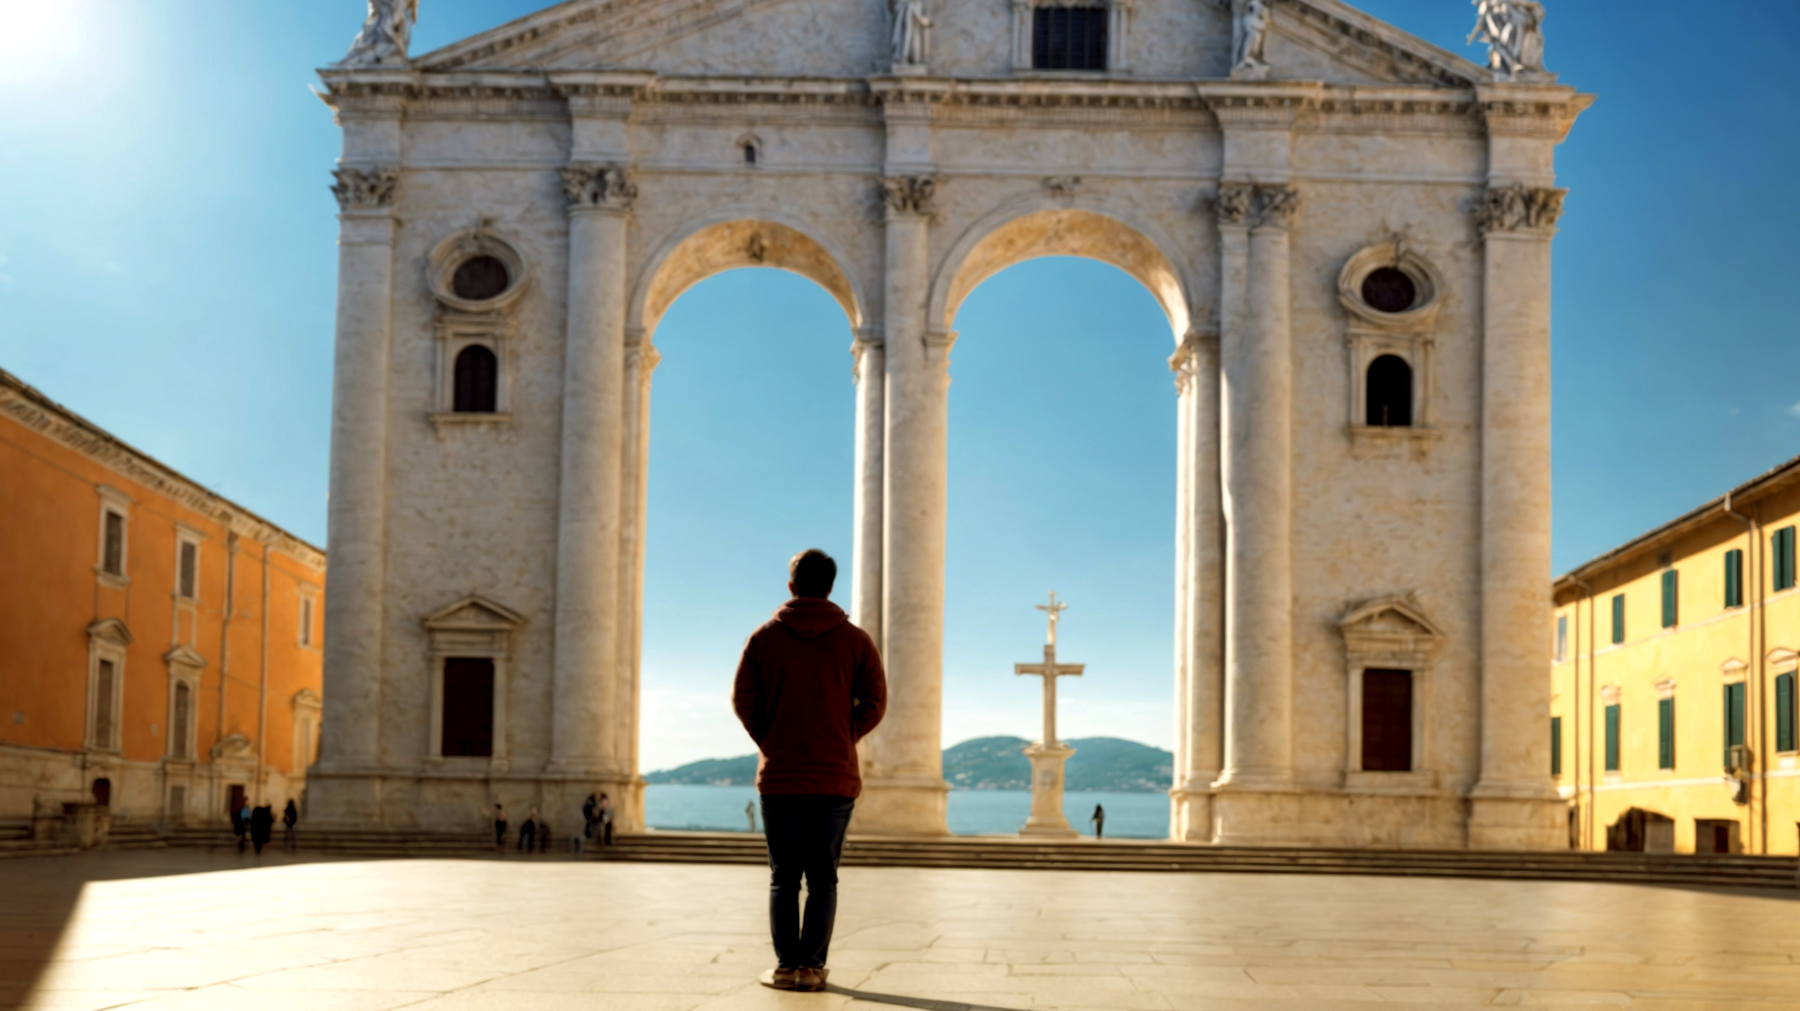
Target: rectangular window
[
  {"x": 1562, "y": 637},
  {"x": 1387, "y": 720},
  {"x": 106, "y": 677},
  {"x": 468, "y": 729},
  {"x": 181, "y": 729},
  {"x": 1612, "y": 738},
  {"x": 1618, "y": 618},
  {"x": 1781, "y": 547},
  {"x": 1665, "y": 733},
  {"x": 1734, "y": 578},
  {"x": 112, "y": 552},
  {"x": 1555, "y": 745},
  {"x": 306, "y": 621},
  {"x": 1671, "y": 597},
  {"x": 1784, "y": 712},
  {"x": 1068, "y": 38},
  {"x": 187, "y": 570},
  {"x": 1734, "y": 719}
]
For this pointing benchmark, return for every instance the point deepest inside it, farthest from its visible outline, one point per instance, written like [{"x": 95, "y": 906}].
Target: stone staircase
[
  {"x": 16, "y": 841},
  {"x": 1132, "y": 855},
  {"x": 346, "y": 842}
]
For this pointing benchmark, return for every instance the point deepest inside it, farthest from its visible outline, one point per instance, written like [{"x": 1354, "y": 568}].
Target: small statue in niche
[
  {"x": 386, "y": 33},
  {"x": 1249, "y": 30},
  {"x": 911, "y": 38},
  {"x": 1514, "y": 33}
]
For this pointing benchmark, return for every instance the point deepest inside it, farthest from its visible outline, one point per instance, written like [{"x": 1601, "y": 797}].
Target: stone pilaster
[
  {"x": 903, "y": 784},
  {"x": 870, "y": 371},
  {"x": 1199, "y": 589},
  {"x": 641, "y": 360},
  {"x": 591, "y": 691}
]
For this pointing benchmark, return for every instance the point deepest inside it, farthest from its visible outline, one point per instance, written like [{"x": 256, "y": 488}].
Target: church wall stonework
[{"x": 607, "y": 139}]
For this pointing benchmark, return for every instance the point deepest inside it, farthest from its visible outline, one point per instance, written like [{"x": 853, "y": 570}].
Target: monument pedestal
[{"x": 1047, "y": 819}]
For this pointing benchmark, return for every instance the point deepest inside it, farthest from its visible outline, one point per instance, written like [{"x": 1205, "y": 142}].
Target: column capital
[
  {"x": 599, "y": 187},
  {"x": 1517, "y": 207},
  {"x": 1197, "y": 347},
  {"x": 908, "y": 196},
  {"x": 365, "y": 189},
  {"x": 867, "y": 339},
  {"x": 938, "y": 344},
  {"x": 1255, "y": 205}
]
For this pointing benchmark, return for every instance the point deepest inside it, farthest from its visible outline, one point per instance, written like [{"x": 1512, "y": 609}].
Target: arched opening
[
  {"x": 477, "y": 380},
  {"x": 1389, "y": 392},
  {"x": 750, "y": 459},
  {"x": 102, "y": 792}
]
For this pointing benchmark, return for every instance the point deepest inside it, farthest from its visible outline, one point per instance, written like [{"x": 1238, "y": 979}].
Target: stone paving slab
[{"x": 187, "y": 931}]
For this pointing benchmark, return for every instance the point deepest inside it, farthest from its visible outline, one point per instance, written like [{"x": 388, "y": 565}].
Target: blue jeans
[{"x": 805, "y": 833}]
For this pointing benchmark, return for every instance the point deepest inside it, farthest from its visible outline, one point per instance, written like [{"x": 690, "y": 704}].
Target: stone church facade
[{"x": 1348, "y": 229}]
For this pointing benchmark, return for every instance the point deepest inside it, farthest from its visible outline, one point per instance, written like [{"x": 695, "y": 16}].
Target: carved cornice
[
  {"x": 1538, "y": 111},
  {"x": 1260, "y": 106},
  {"x": 908, "y": 194},
  {"x": 1188, "y": 363},
  {"x": 1256, "y": 205},
  {"x": 1063, "y": 187},
  {"x": 28, "y": 407},
  {"x": 368, "y": 189},
  {"x": 1518, "y": 208},
  {"x": 604, "y": 186}
]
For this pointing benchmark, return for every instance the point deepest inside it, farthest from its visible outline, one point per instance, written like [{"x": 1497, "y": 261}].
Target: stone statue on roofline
[
  {"x": 1514, "y": 33},
  {"x": 911, "y": 38},
  {"x": 1249, "y": 30},
  {"x": 385, "y": 34}
]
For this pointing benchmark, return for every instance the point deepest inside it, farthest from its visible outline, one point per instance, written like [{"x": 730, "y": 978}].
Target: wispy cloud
[{"x": 1794, "y": 410}]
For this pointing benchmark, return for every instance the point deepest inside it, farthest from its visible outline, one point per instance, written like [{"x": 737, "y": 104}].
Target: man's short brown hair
[{"x": 812, "y": 572}]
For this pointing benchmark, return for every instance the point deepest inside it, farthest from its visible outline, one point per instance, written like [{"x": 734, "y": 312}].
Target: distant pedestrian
[
  {"x": 590, "y": 813},
  {"x": 605, "y": 827},
  {"x": 290, "y": 817},
  {"x": 750, "y": 813},
  {"x": 543, "y": 835},
  {"x": 262, "y": 826},
  {"x": 528, "y": 833},
  {"x": 1099, "y": 820},
  {"x": 500, "y": 828},
  {"x": 243, "y": 818}
]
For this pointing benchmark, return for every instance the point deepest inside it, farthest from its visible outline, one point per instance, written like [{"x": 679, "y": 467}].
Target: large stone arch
[{"x": 1030, "y": 228}]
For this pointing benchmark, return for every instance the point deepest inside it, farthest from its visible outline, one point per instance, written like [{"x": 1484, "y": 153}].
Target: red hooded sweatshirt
[{"x": 809, "y": 686}]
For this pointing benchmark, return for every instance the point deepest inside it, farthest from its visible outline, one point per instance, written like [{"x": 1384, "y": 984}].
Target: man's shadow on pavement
[{"x": 925, "y": 1003}]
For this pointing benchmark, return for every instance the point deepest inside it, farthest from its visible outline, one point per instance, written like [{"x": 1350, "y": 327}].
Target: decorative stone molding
[
  {"x": 1189, "y": 360},
  {"x": 471, "y": 627},
  {"x": 368, "y": 189},
  {"x": 1781, "y": 657},
  {"x": 938, "y": 344},
  {"x": 1391, "y": 632},
  {"x": 605, "y": 186},
  {"x": 1609, "y": 694},
  {"x": 1409, "y": 335},
  {"x": 1733, "y": 670},
  {"x": 442, "y": 263},
  {"x": 232, "y": 746},
  {"x": 1519, "y": 208},
  {"x": 909, "y": 194},
  {"x": 867, "y": 339},
  {"x": 1063, "y": 187},
  {"x": 1665, "y": 688},
  {"x": 1256, "y": 205}
]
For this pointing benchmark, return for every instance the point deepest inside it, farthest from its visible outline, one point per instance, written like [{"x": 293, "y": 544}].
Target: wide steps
[{"x": 1089, "y": 855}]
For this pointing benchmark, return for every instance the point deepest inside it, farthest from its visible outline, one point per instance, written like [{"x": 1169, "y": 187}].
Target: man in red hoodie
[{"x": 809, "y": 686}]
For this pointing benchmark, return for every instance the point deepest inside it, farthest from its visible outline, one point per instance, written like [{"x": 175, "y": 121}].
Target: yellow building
[{"x": 1673, "y": 721}]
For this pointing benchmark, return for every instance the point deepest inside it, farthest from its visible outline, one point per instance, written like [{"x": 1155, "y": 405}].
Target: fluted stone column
[
  {"x": 590, "y": 689},
  {"x": 903, "y": 783},
  {"x": 640, "y": 363},
  {"x": 1200, "y": 590},
  {"x": 357, "y": 515},
  {"x": 870, "y": 370},
  {"x": 1256, "y": 393}
]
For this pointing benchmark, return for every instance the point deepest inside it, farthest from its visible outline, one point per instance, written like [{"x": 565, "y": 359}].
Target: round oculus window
[
  {"x": 480, "y": 278},
  {"x": 1388, "y": 289}
]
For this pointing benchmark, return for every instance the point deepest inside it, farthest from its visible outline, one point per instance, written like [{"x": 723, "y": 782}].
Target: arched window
[
  {"x": 1389, "y": 392},
  {"x": 477, "y": 380}
]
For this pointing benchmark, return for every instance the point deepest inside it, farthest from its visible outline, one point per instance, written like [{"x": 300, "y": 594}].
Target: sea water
[{"x": 972, "y": 812}]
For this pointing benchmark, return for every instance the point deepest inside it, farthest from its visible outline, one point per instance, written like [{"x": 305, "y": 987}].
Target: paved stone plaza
[{"x": 191, "y": 930}]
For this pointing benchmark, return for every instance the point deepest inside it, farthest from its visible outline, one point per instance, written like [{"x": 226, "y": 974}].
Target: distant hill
[{"x": 1104, "y": 764}]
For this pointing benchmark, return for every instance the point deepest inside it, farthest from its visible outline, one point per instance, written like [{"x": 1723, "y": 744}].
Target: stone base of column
[
  {"x": 902, "y": 807},
  {"x": 343, "y": 796},
  {"x": 1047, "y": 820},
  {"x": 1246, "y": 817},
  {"x": 1191, "y": 815},
  {"x": 1517, "y": 823}
]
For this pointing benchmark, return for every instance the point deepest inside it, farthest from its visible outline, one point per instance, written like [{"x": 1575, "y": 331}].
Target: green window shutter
[
  {"x": 1671, "y": 582},
  {"x": 1618, "y": 629},
  {"x": 1665, "y": 733},
  {"x": 1612, "y": 738},
  {"x": 1782, "y": 547},
  {"x": 1784, "y": 712},
  {"x": 1734, "y": 578},
  {"x": 1555, "y": 745},
  {"x": 1734, "y": 718}
]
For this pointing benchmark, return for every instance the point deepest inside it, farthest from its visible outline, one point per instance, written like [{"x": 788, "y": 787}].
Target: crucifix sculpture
[{"x": 1048, "y": 754}]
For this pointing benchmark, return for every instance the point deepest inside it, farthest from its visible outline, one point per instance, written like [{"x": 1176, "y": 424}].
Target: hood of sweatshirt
[{"x": 810, "y": 617}]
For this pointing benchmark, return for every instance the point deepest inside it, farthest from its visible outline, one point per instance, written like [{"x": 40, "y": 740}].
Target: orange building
[{"x": 159, "y": 644}]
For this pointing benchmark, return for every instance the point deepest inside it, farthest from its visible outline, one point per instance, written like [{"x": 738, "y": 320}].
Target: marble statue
[
  {"x": 1048, "y": 754},
  {"x": 385, "y": 33},
  {"x": 911, "y": 40},
  {"x": 1249, "y": 30},
  {"x": 1514, "y": 33}
]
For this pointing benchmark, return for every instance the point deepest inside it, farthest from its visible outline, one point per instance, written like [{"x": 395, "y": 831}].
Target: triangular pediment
[
  {"x": 185, "y": 656},
  {"x": 1331, "y": 41},
  {"x": 474, "y": 613},
  {"x": 1390, "y": 616},
  {"x": 110, "y": 630}
]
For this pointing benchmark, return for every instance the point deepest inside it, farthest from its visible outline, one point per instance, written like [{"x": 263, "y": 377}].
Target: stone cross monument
[{"x": 1048, "y": 754}]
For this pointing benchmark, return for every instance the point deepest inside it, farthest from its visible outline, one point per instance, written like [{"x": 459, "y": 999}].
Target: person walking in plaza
[
  {"x": 1099, "y": 820},
  {"x": 750, "y": 813},
  {"x": 528, "y": 832},
  {"x": 243, "y": 820},
  {"x": 499, "y": 828},
  {"x": 290, "y": 816},
  {"x": 605, "y": 826},
  {"x": 590, "y": 812},
  {"x": 262, "y": 827},
  {"x": 809, "y": 686}
]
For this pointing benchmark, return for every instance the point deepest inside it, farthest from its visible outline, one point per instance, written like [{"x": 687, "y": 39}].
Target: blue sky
[{"x": 167, "y": 268}]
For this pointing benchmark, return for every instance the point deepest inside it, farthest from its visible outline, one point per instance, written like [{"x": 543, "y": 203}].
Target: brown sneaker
[
  {"x": 810, "y": 979},
  {"x": 780, "y": 979}
]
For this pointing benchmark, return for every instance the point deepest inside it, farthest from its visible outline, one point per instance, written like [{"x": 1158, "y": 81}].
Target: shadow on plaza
[{"x": 919, "y": 1002}]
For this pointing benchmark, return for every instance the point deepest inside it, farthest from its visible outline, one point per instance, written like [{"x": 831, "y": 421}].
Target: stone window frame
[
  {"x": 1118, "y": 37},
  {"x": 479, "y": 628},
  {"x": 185, "y": 668},
  {"x": 185, "y": 535},
  {"x": 749, "y": 141},
  {"x": 114, "y": 501},
  {"x": 1410, "y": 336},
  {"x": 1409, "y": 644},
  {"x": 308, "y": 718},
  {"x": 462, "y": 323},
  {"x": 108, "y": 639},
  {"x": 306, "y": 616}
]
